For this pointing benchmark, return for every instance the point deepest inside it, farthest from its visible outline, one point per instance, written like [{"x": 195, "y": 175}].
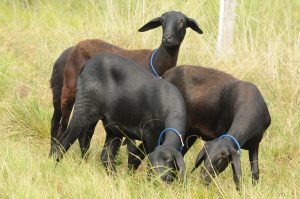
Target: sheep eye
[
  {"x": 168, "y": 159},
  {"x": 181, "y": 24},
  {"x": 182, "y": 21}
]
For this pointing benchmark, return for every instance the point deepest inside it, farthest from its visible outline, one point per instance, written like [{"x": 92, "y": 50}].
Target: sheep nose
[{"x": 167, "y": 37}]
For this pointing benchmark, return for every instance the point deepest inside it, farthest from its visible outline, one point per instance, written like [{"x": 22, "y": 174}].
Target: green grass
[{"x": 34, "y": 33}]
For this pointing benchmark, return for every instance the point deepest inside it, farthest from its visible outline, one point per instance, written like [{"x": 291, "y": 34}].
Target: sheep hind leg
[
  {"x": 67, "y": 139},
  {"x": 85, "y": 140},
  {"x": 67, "y": 102},
  {"x": 85, "y": 115},
  {"x": 253, "y": 157},
  {"x": 110, "y": 149},
  {"x": 55, "y": 125}
]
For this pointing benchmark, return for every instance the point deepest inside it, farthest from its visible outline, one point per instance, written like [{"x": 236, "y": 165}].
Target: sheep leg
[
  {"x": 85, "y": 139},
  {"x": 67, "y": 95},
  {"x": 110, "y": 149},
  {"x": 55, "y": 150},
  {"x": 66, "y": 112},
  {"x": 253, "y": 157},
  {"x": 136, "y": 154},
  {"x": 67, "y": 139},
  {"x": 55, "y": 124},
  {"x": 84, "y": 116}
]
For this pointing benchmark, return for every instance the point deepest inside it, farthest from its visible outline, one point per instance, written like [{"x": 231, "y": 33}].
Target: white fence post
[{"x": 226, "y": 27}]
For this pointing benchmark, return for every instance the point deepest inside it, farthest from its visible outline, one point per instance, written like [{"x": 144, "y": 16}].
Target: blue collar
[
  {"x": 233, "y": 139},
  {"x": 152, "y": 65},
  {"x": 175, "y": 131}
]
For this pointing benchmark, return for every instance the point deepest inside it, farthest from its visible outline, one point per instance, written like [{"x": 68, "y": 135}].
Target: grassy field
[{"x": 33, "y": 34}]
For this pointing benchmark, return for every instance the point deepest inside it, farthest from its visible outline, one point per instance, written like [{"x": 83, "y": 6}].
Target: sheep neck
[{"x": 165, "y": 58}]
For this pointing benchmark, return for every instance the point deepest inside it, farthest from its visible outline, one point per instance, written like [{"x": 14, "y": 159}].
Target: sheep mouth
[
  {"x": 170, "y": 44},
  {"x": 166, "y": 174},
  {"x": 206, "y": 176}
]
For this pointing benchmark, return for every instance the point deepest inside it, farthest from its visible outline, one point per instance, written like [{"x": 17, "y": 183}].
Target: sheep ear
[
  {"x": 192, "y": 23},
  {"x": 199, "y": 159},
  {"x": 179, "y": 162},
  {"x": 154, "y": 23},
  {"x": 236, "y": 168}
]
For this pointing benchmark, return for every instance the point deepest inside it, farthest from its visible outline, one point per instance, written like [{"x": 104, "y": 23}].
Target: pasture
[{"x": 34, "y": 33}]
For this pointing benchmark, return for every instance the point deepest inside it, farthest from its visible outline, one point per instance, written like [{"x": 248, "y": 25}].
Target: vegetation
[{"x": 33, "y": 34}]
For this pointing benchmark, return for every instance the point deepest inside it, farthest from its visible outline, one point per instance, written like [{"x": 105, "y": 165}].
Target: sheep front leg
[{"x": 136, "y": 154}]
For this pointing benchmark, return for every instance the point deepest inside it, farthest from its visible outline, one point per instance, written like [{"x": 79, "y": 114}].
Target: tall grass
[{"x": 34, "y": 33}]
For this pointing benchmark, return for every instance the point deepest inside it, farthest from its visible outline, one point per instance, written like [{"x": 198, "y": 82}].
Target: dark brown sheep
[{"x": 63, "y": 86}]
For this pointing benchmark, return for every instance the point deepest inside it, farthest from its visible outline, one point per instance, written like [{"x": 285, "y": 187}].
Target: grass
[{"x": 34, "y": 33}]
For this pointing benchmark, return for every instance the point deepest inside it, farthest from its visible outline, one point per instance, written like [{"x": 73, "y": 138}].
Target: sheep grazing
[
  {"x": 63, "y": 85},
  {"x": 218, "y": 104},
  {"x": 131, "y": 103}
]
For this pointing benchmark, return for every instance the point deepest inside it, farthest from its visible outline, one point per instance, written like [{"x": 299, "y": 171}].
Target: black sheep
[{"x": 131, "y": 103}]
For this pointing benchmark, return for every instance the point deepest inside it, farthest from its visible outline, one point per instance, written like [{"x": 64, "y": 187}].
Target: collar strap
[
  {"x": 152, "y": 65},
  {"x": 234, "y": 140},
  {"x": 173, "y": 130}
]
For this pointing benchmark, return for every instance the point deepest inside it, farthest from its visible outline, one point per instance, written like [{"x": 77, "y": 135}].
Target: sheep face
[
  {"x": 174, "y": 25},
  {"x": 166, "y": 162},
  {"x": 217, "y": 155}
]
